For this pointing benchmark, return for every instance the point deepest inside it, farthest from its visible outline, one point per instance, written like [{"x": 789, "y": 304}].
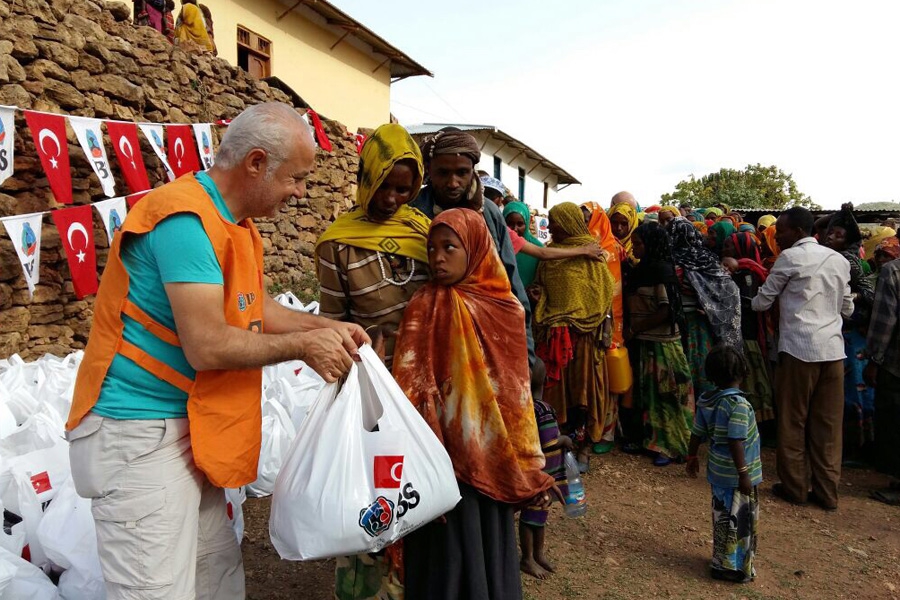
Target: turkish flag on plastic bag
[
  {"x": 124, "y": 139},
  {"x": 76, "y": 232},
  {"x": 49, "y": 133},
  {"x": 182, "y": 151}
]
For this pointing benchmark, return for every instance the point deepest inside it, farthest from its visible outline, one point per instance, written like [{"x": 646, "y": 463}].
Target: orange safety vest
[{"x": 223, "y": 406}]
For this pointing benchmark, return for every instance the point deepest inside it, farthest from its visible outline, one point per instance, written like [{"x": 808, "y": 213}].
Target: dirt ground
[{"x": 647, "y": 534}]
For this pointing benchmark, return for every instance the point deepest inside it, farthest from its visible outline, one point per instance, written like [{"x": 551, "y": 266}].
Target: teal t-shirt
[{"x": 176, "y": 251}]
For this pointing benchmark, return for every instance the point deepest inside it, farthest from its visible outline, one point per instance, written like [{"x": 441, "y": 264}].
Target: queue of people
[{"x": 506, "y": 347}]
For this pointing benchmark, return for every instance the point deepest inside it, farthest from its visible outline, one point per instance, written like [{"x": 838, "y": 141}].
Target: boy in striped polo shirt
[{"x": 725, "y": 419}]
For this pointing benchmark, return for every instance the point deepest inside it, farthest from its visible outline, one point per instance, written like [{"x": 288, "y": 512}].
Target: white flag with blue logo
[
  {"x": 203, "y": 134},
  {"x": 154, "y": 134},
  {"x": 90, "y": 136},
  {"x": 7, "y": 140},
  {"x": 112, "y": 212},
  {"x": 25, "y": 233}
]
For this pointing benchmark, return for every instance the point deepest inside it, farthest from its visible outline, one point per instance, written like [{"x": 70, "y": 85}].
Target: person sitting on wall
[{"x": 192, "y": 27}]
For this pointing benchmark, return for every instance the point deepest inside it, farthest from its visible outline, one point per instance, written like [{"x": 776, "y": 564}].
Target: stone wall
[{"x": 83, "y": 57}]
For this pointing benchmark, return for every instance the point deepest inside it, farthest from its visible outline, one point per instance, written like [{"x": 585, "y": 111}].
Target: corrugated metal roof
[
  {"x": 563, "y": 177},
  {"x": 346, "y": 27}
]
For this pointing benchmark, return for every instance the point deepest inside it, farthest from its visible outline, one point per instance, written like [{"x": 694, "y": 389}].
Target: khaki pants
[
  {"x": 162, "y": 527},
  {"x": 810, "y": 405}
]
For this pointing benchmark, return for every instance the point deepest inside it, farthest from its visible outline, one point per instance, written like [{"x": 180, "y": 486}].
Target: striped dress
[{"x": 367, "y": 287}]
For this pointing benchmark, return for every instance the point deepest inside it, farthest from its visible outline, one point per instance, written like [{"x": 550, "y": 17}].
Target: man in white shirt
[{"x": 812, "y": 285}]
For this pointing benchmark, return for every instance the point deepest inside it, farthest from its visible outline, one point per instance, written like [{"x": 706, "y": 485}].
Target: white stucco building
[{"x": 527, "y": 173}]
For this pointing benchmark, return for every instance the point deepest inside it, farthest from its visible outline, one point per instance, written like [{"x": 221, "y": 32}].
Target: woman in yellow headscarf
[
  {"x": 667, "y": 213},
  {"x": 624, "y": 220},
  {"x": 575, "y": 298},
  {"x": 191, "y": 26},
  {"x": 874, "y": 235},
  {"x": 764, "y": 222},
  {"x": 369, "y": 263}
]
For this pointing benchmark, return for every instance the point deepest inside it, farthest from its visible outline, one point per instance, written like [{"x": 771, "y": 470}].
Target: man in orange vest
[{"x": 166, "y": 410}]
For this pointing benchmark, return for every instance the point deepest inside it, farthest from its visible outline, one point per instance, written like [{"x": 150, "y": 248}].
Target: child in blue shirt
[{"x": 725, "y": 419}]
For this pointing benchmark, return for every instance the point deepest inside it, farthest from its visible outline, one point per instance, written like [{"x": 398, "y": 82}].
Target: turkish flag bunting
[
  {"x": 182, "y": 151},
  {"x": 76, "y": 232},
  {"x": 49, "y": 133},
  {"x": 124, "y": 137}
]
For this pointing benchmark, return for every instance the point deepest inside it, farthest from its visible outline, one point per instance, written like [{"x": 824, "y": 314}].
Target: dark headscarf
[
  {"x": 657, "y": 267},
  {"x": 861, "y": 285},
  {"x": 451, "y": 140},
  {"x": 688, "y": 248},
  {"x": 845, "y": 219},
  {"x": 717, "y": 293}
]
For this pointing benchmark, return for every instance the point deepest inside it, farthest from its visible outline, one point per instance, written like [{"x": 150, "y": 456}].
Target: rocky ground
[{"x": 647, "y": 534}]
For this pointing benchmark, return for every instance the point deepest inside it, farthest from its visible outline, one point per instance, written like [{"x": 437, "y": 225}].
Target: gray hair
[{"x": 262, "y": 126}]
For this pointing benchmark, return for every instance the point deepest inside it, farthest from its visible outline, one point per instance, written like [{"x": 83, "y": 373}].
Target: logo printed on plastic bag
[
  {"x": 41, "y": 482},
  {"x": 377, "y": 517},
  {"x": 388, "y": 472}
]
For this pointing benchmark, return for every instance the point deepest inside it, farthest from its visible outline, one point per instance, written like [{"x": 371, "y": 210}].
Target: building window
[
  {"x": 254, "y": 53},
  {"x": 498, "y": 165},
  {"x": 546, "y": 193},
  {"x": 521, "y": 184}
]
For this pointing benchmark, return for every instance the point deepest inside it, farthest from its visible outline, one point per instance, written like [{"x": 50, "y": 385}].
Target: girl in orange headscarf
[
  {"x": 770, "y": 249},
  {"x": 462, "y": 360},
  {"x": 601, "y": 228}
]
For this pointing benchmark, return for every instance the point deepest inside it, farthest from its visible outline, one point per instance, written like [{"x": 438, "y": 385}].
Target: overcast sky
[{"x": 639, "y": 94}]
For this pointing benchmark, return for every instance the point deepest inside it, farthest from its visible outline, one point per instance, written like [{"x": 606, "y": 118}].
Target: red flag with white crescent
[
  {"x": 124, "y": 137},
  {"x": 76, "y": 232},
  {"x": 49, "y": 133},
  {"x": 182, "y": 151}
]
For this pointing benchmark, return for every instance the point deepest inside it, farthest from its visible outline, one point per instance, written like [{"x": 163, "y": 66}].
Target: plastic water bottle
[{"x": 576, "y": 503}]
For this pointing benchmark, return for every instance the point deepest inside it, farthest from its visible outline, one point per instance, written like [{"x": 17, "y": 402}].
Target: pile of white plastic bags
[
  {"x": 48, "y": 533},
  {"x": 48, "y": 530}
]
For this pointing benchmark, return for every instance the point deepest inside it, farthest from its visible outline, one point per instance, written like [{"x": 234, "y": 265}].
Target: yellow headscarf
[
  {"x": 578, "y": 291},
  {"x": 672, "y": 209},
  {"x": 766, "y": 221},
  {"x": 406, "y": 233},
  {"x": 629, "y": 213},
  {"x": 191, "y": 26},
  {"x": 874, "y": 235}
]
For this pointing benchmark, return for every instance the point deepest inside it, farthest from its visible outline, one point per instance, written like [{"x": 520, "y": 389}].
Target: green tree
[{"x": 754, "y": 187}]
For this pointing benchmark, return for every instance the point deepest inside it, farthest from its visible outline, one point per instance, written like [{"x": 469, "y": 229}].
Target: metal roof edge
[
  {"x": 563, "y": 176},
  {"x": 333, "y": 16}
]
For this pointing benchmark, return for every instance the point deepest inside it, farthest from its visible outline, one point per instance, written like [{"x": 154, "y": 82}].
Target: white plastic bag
[
  {"x": 289, "y": 300},
  {"x": 345, "y": 489},
  {"x": 234, "y": 500},
  {"x": 69, "y": 539},
  {"x": 278, "y": 433},
  {"x": 28, "y": 582},
  {"x": 39, "y": 453}
]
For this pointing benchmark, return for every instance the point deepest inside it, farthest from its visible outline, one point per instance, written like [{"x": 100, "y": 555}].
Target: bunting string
[{"x": 180, "y": 147}]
